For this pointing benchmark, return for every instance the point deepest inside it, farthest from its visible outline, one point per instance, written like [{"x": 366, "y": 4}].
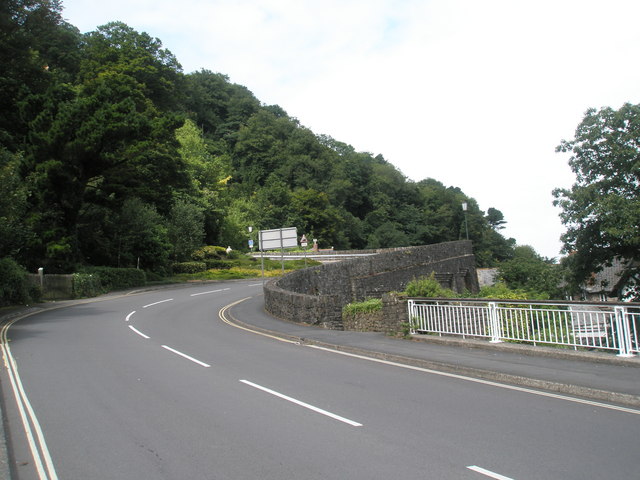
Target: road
[{"x": 157, "y": 386}]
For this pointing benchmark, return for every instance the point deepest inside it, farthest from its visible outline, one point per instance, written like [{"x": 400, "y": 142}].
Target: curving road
[{"x": 157, "y": 385}]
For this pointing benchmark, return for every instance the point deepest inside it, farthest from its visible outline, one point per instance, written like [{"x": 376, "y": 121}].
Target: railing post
[
  {"x": 496, "y": 331},
  {"x": 410, "y": 307},
  {"x": 623, "y": 331}
]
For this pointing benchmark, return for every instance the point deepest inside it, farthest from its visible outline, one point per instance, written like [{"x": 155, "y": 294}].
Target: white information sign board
[{"x": 278, "y": 238}]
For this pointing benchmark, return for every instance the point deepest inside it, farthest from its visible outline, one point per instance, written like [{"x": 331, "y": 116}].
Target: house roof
[{"x": 609, "y": 278}]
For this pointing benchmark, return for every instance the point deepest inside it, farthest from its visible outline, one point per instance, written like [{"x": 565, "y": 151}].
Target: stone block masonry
[{"x": 315, "y": 296}]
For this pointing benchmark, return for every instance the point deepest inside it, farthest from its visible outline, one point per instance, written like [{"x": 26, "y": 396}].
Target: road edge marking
[
  {"x": 27, "y": 413},
  {"x": 222, "y": 314}
]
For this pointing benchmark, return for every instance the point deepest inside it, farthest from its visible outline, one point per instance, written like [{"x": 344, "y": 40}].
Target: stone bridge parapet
[{"x": 316, "y": 295}]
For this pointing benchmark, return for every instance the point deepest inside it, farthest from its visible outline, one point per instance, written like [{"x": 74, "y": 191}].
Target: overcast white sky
[{"x": 476, "y": 94}]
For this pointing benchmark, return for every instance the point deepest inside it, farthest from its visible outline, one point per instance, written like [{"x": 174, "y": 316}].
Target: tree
[
  {"x": 99, "y": 145},
  {"x": 602, "y": 209},
  {"x": 186, "y": 229},
  {"x": 118, "y": 48},
  {"x": 208, "y": 176},
  {"x": 142, "y": 237},
  {"x": 36, "y": 48},
  {"x": 528, "y": 271},
  {"x": 495, "y": 218},
  {"x": 313, "y": 215},
  {"x": 13, "y": 204}
]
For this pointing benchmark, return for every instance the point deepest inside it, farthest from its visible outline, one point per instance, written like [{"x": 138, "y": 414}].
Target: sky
[{"x": 475, "y": 94}]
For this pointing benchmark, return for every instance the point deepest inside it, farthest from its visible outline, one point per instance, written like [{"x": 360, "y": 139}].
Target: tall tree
[
  {"x": 36, "y": 48},
  {"x": 185, "y": 229},
  {"x": 495, "y": 218},
  {"x": 13, "y": 204},
  {"x": 530, "y": 272},
  {"x": 209, "y": 174},
  {"x": 118, "y": 48},
  {"x": 142, "y": 237},
  {"x": 601, "y": 211},
  {"x": 101, "y": 141}
]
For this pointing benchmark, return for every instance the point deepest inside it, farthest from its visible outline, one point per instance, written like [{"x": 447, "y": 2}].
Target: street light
[{"x": 466, "y": 226}]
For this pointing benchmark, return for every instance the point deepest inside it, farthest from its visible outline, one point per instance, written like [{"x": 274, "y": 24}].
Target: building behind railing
[{"x": 601, "y": 326}]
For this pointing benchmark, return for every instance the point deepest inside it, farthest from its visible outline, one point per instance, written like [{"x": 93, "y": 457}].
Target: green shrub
[
  {"x": 368, "y": 306},
  {"x": 428, "y": 287},
  {"x": 502, "y": 292},
  {"x": 154, "y": 277},
  {"x": 209, "y": 252},
  {"x": 117, "y": 278},
  {"x": 218, "y": 264},
  {"x": 87, "y": 285},
  {"x": 15, "y": 286},
  {"x": 233, "y": 254},
  {"x": 189, "y": 267}
]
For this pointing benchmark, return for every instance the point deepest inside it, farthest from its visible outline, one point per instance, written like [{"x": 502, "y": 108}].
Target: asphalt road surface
[{"x": 157, "y": 385}]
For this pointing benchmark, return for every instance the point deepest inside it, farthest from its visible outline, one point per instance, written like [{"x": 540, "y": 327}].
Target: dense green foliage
[
  {"x": 428, "y": 287},
  {"x": 15, "y": 288},
  {"x": 367, "y": 306},
  {"x": 502, "y": 292},
  {"x": 110, "y": 155},
  {"x": 189, "y": 267},
  {"x": 87, "y": 285},
  {"x": 602, "y": 209},
  {"x": 529, "y": 272},
  {"x": 117, "y": 278}
]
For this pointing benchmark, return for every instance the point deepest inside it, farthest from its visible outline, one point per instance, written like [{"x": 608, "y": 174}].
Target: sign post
[
  {"x": 303, "y": 244},
  {"x": 279, "y": 238}
]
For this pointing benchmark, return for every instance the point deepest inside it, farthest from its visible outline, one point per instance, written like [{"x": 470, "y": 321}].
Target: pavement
[{"x": 594, "y": 376}]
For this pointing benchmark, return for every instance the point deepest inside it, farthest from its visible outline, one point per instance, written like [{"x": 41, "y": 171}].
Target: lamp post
[{"x": 466, "y": 226}]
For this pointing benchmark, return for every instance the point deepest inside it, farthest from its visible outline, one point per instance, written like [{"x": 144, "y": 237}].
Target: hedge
[
  {"x": 15, "y": 287},
  {"x": 87, "y": 285},
  {"x": 209, "y": 252},
  {"x": 118, "y": 278},
  {"x": 218, "y": 264},
  {"x": 189, "y": 267}
]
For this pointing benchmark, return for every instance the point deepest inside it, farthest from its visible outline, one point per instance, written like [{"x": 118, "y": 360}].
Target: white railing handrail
[
  {"x": 528, "y": 302},
  {"x": 604, "y": 326}
]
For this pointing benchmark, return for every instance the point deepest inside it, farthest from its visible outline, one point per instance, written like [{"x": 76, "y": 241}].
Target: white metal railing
[{"x": 613, "y": 327}]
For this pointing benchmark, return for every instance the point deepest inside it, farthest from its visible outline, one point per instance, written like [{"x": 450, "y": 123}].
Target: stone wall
[
  {"x": 53, "y": 286},
  {"x": 391, "y": 319},
  {"x": 316, "y": 295}
]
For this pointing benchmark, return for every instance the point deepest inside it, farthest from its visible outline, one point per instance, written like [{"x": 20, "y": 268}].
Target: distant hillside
[{"x": 111, "y": 155}]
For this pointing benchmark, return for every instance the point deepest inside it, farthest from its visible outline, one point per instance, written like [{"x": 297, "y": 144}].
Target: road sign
[
  {"x": 303, "y": 241},
  {"x": 278, "y": 238}
]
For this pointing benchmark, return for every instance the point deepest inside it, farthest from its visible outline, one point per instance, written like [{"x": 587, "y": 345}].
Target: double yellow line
[
  {"x": 223, "y": 316},
  {"x": 35, "y": 437}
]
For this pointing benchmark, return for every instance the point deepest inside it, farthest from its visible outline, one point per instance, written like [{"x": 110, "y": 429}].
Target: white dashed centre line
[
  {"x": 206, "y": 365},
  {"x": 211, "y": 291},
  {"x": 139, "y": 332},
  {"x": 156, "y": 303},
  {"x": 488, "y": 473},
  {"x": 302, "y": 404}
]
